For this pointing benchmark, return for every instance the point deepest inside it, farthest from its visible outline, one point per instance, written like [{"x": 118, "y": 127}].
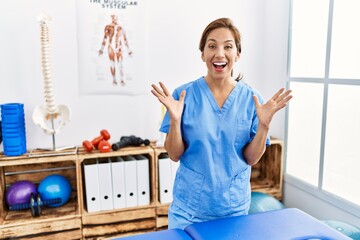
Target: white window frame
[{"x": 317, "y": 191}]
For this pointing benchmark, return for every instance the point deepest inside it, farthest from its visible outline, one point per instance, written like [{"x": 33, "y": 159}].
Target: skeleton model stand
[{"x": 50, "y": 118}]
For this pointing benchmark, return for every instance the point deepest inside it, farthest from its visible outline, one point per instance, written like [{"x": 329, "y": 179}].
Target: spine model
[
  {"x": 46, "y": 66},
  {"x": 45, "y": 116}
]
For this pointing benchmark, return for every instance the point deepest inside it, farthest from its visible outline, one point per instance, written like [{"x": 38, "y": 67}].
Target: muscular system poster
[{"x": 111, "y": 46}]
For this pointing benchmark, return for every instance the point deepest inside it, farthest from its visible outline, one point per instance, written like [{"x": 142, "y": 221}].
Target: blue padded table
[
  {"x": 284, "y": 224},
  {"x": 171, "y": 234}
]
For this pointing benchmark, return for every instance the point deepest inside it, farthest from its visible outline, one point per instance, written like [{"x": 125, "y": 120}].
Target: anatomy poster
[{"x": 111, "y": 38}]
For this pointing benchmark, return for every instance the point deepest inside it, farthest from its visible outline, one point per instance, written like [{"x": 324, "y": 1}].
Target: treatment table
[{"x": 284, "y": 224}]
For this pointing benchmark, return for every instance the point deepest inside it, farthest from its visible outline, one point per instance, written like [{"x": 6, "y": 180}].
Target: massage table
[{"x": 284, "y": 224}]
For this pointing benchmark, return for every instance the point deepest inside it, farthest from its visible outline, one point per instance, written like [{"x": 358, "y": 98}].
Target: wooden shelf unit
[
  {"x": 59, "y": 223},
  {"x": 266, "y": 177},
  {"x": 267, "y": 174},
  {"x": 72, "y": 221},
  {"x": 161, "y": 209},
  {"x": 123, "y": 221}
]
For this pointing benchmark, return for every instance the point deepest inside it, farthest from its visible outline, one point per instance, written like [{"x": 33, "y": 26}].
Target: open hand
[
  {"x": 266, "y": 111},
  {"x": 174, "y": 107}
]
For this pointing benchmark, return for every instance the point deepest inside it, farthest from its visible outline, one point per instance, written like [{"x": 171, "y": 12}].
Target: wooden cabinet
[
  {"x": 58, "y": 223},
  {"x": 267, "y": 174},
  {"x": 73, "y": 221},
  {"x": 161, "y": 209},
  {"x": 122, "y": 221},
  {"x": 266, "y": 177}
]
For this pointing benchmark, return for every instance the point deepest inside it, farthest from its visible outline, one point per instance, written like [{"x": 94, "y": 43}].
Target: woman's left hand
[{"x": 266, "y": 111}]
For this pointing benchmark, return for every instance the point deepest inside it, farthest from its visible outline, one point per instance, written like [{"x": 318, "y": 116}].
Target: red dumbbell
[
  {"x": 89, "y": 146},
  {"x": 104, "y": 146}
]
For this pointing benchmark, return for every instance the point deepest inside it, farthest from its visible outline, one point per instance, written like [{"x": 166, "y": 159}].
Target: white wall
[
  {"x": 318, "y": 208},
  {"x": 275, "y": 67},
  {"x": 174, "y": 29}
]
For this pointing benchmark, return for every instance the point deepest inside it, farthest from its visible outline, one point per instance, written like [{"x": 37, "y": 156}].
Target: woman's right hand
[{"x": 174, "y": 107}]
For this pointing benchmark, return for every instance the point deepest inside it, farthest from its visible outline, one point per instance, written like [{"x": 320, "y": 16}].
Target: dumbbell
[
  {"x": 130, "y": 141},
  {"x": 53, "y": 191},
  {"x": 104, "y": 146},
  {"x": 35, "y": 204},
  {"x": 99, "y": 142}
]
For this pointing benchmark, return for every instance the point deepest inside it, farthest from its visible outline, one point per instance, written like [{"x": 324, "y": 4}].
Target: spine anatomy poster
[{"x": 111, "y": 46}]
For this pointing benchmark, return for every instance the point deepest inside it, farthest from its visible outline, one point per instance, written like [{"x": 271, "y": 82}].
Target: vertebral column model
[{"x": 43, "y": 115}]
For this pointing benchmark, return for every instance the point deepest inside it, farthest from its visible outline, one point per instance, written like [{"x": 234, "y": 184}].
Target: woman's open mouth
[{"x": 219, "y": 65}]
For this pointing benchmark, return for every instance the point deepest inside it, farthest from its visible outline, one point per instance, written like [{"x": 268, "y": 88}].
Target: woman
[{"x": 218, "y": 128}]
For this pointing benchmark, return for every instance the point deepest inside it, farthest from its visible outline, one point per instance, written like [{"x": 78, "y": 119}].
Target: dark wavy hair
[{"x": 222, "y": 23}]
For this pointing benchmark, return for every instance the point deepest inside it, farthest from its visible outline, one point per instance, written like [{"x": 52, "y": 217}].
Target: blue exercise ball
[
  {"x": 261, "y": 202},
  {"x": 345, "y": 228},
  {"x": 55, "y": 186}
]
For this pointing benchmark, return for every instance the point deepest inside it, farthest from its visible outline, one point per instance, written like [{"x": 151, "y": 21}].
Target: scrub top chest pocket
[{"x": 243, "y": 132}]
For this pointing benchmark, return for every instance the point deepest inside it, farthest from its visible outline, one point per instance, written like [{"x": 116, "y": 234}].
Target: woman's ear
[
  {"x": 237, "y": 57},
  {"x": 202, "y": 56}
]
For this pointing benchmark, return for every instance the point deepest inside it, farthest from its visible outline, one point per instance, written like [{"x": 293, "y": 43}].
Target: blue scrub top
[{"x": 213, "y": 179}]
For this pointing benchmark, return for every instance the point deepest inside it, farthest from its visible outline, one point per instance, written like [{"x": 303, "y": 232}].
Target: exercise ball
[
  {"x": 55, "y": 186},
  {"x": 261, "y": 202},
  {"x": 20, "y": 192},
  {"x": 345, "y": 228}
]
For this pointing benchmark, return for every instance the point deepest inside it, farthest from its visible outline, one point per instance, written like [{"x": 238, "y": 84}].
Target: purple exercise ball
[{"x": 20, "y": 192}]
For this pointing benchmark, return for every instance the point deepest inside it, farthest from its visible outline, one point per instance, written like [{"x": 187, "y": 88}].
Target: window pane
[
  {"x": 342, "y": 158},
  {"x": 304, "y": 131},
  {"x": 345, "y": 47},
  {"x": 309, "y": 38}
]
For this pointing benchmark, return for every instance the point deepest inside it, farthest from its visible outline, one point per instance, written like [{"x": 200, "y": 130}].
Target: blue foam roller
[
  {"x": 0, "y": 133},
  {"x": 13, "y": 129}
]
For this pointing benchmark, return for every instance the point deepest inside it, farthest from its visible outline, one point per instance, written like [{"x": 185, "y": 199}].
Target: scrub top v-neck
[
  {"x": 207, "y": 91},
  {"x": 213, "y": 179}
]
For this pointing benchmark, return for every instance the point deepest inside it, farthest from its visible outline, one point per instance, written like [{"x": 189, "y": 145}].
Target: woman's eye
[
  {"x": 228, "y": 47},
  {"x": 211, "y": 46}
]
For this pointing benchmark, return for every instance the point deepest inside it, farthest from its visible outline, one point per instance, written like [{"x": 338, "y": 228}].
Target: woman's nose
[{"x": 220, "y": 52}]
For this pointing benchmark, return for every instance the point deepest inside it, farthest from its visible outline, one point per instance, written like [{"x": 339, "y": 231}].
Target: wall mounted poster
[{"x": 111, "y": 46}]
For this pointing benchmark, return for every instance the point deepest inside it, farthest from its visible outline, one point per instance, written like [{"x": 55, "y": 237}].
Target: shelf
[
  {"x": 82, "y": 154},
  {"x": 52, "y": 222},
  {"x": 61, "y": 222},
  {"x": 119, "y": 221},
  {"x": 72, "y": 221},
  {"x": 266, "y": 177},
  {"x": 25, "y": 159},
  {"x": 267, "y": 174}
]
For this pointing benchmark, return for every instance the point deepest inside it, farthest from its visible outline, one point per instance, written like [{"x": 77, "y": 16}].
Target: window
[{"x": 323, "y": 120}]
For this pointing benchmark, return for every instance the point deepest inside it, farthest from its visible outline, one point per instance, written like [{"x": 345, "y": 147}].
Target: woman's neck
[
  {"x": 220, "y": 88},
  {"x": 220, "y": 85}
]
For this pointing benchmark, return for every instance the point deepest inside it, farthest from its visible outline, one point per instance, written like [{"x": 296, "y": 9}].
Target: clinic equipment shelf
[{"x": 73, "y": 221}]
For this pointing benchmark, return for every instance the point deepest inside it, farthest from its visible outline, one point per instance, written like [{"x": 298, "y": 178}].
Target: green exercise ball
[
  {"x": 261, "y": 202},
  {"x": 345, "y": 228}
]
